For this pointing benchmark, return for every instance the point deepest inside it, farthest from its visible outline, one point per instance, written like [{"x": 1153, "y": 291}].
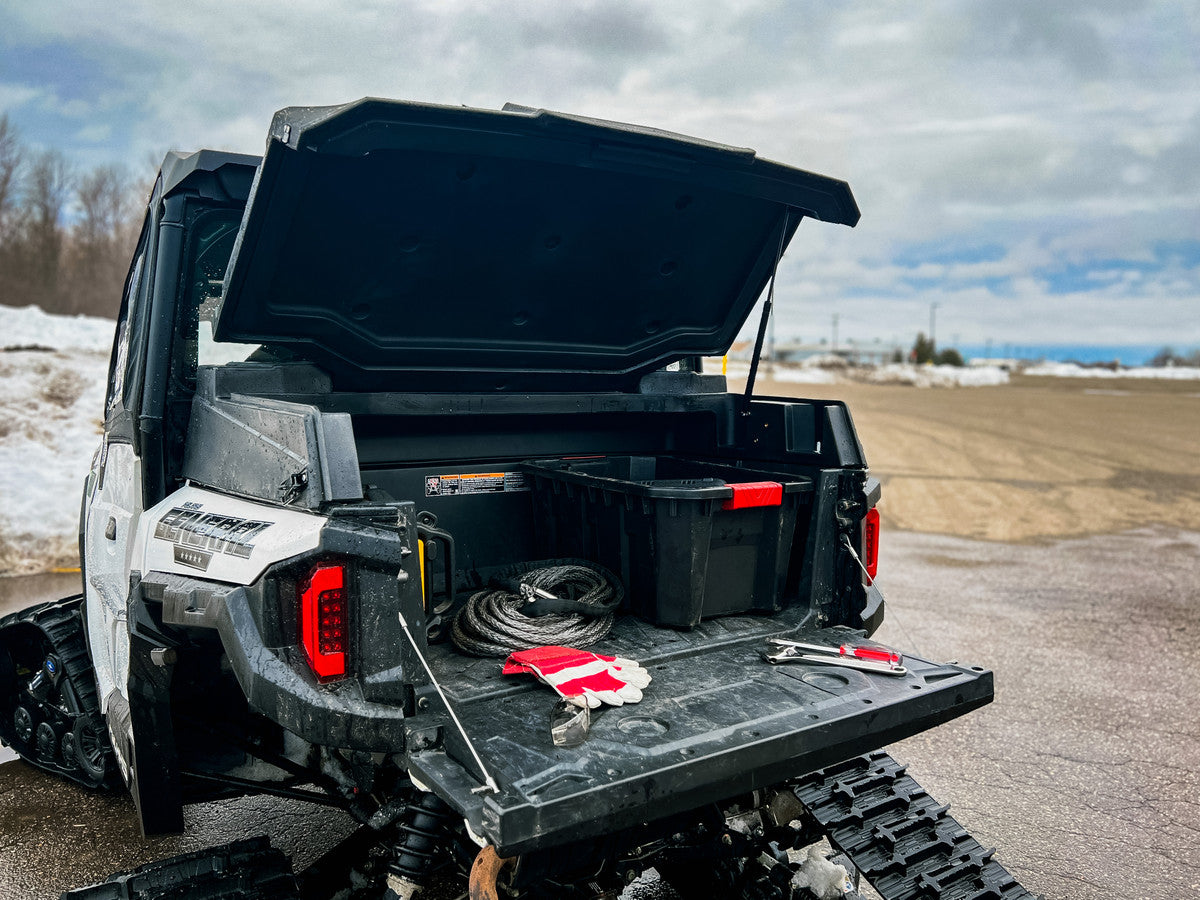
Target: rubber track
[
  {"x": 242, "y": 870},
  {"x": 905, "y": 845},
  {"x": 61, "y": 624}
]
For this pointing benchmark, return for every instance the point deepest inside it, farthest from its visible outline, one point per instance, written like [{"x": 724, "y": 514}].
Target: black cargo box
[{"x": 689, "y": 539}]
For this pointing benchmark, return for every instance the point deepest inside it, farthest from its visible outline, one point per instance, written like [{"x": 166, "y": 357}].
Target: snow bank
[
  {"x": 805, "y": 375},
  {"x": 737, "y": 370},
  {"x": 1070, "y": 370},
  {"x": 933, "y": 376},
  {"x": 835, "y": 370},
  {"x": 28, "y": 326},
  {"x": 51, "y": 415}
]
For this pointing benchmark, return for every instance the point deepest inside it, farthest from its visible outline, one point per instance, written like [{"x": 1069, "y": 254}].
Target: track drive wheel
[{"x": 49, "y": 711}]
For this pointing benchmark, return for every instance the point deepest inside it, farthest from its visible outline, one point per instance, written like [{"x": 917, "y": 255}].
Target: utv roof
[
  {"x": 211, "y": 173},
  {"x": 390, "y": 237}
]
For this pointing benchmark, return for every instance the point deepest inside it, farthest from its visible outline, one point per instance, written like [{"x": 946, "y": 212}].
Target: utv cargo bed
[{"x": 717, "y": 721}]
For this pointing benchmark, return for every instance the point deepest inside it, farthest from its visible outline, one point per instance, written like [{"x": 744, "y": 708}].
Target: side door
[{"x": 112, "y": 500}]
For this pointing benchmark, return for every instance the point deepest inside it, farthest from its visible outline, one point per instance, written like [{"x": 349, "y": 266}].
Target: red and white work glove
[{"x": 580, "y": 676}]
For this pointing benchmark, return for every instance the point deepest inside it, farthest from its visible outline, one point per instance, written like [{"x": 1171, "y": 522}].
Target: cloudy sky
[{"x": 1030, "y": 166}]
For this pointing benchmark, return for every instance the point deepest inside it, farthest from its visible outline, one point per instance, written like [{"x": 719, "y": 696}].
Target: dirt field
[{"x": 1037, "y": 459}]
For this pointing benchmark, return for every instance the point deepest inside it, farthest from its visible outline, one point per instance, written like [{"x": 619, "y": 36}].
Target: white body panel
[
  {"x": 112, "y": 509},
  {"x": 214, "y": 536}
]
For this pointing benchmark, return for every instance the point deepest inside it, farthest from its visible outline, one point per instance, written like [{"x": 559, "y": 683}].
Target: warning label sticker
[{"x": 475, "y": 483}]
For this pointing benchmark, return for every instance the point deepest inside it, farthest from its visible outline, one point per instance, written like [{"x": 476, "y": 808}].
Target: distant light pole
[
  {"x": 932, "y": 320},
  {"x": 835, "y": 321}
]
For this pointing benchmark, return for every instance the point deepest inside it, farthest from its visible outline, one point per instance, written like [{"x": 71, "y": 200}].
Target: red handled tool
[{"x": 853, "y": 656}]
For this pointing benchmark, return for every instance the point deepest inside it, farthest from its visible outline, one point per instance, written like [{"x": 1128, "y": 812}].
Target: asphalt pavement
[{"x": 1084, "y": 773}]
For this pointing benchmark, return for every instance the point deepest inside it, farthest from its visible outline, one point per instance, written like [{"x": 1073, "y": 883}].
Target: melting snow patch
[
  {"x": 824, "y": 879},
  {"x": 51, "y": 408},
  {"x": 28, "y": 326},
  {"x": 835, "y": 370},
  {"x": 1070, "y": 370},
  {"x": 807, "y": 375},
  {"x": 935, "y": 376}
]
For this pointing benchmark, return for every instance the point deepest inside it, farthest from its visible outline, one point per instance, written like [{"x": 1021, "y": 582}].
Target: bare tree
[
  {"x": 10, "y": 169},
  {"x": 101, "y": 239},
  {"x": 65, "y": 240},
  {"x": 11, "y": 158},
  {"x": 47, "y": 188}
]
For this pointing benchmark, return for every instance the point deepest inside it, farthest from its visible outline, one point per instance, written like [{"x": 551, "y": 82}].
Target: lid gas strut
[{"x": 766, "y": 311}]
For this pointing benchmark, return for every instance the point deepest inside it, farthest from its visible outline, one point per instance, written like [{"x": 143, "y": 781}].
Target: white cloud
[
  {"x": 15, "y": 95},
  {"x": 1060, "y": 132}
]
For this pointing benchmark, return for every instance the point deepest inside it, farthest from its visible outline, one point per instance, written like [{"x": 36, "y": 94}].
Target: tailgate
[{"x": 716, "y": 721}]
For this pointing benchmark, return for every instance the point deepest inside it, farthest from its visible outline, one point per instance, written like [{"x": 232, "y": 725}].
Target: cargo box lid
[{"x": 385, "y": 236}]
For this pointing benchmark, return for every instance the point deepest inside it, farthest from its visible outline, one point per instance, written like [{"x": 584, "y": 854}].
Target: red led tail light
[
  {"x": 324, "y": 622},
  {"x": 871, "y": 542}
]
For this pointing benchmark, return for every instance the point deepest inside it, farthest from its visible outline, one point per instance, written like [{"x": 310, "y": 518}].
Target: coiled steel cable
[{"x": 492, "y": 623}]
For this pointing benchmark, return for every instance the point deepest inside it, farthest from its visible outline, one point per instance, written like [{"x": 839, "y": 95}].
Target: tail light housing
[
  {"x": 324, "y": 622},
  {"x": 871, "y": 543}
]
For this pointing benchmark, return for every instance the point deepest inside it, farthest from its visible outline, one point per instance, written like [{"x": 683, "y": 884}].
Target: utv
[{"x": 398, "y": 383}]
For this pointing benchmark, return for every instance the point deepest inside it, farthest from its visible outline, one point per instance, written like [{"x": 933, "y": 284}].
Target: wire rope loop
[{"x": 492, "y": 622}]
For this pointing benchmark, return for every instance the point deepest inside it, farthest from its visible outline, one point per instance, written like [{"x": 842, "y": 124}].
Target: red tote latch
[{"x": 754, "y": 493}]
